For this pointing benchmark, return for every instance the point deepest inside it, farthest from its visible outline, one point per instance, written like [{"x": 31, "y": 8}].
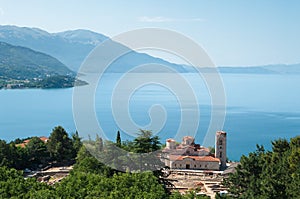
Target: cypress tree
[{"x": 118, "y": 140}]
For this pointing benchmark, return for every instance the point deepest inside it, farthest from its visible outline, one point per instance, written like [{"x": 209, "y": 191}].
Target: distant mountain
[
  {"x": 246, "y": 70},
  {"x": 81, "y": 36},
  {"x": 23, "y": 67},
  {"x": 70, "y": 47},
  {"x": 266, "y": 69},
  {"x": 284, "y": 68}
]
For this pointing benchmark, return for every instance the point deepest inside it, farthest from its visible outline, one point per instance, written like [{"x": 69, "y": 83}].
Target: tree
[
  {"x": 60, "y": 145},
  {"x": 85, "y": 162},
  {"x": 21, "y": 160},
  {"x": 118, "y": 139},
  {"x": 9, "y": 155},
  {"x": 244, "y": 181},
  {"x": 145, "y": 156},
  {"x": 37, "y": 151},
  {"x": 76, "y": 142},
  {"x": 128, "y": 145},
  {"x": 145, "y": 143},
  {"x": 5, "y": 159}
]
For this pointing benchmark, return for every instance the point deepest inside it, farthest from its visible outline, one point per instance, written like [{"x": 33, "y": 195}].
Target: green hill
[
  {"x": 23, "y": 63},
  {"x": 22, "y": 67}
]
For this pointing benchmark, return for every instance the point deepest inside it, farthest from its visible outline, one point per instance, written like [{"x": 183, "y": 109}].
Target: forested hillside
[
  {"x": 261, "y": 174},
  {"x": 22, "y": 67},
  {"x": 89, "y": 178}
]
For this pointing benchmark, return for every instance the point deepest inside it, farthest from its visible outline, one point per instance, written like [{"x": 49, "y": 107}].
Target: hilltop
[{"x": 70, "y": 47}]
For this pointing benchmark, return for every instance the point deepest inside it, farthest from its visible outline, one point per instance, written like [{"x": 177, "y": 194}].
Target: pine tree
[{"x": 60, "y": 145}]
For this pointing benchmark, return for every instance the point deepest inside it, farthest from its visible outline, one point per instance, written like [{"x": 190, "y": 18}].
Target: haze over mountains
[
  {"x": 69, "y": 47},
  {"x": 72, "y": 47},
  {"x": 266, "y": 69}
]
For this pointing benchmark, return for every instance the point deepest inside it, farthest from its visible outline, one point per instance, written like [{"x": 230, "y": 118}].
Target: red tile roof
[
  {"x": 170, "y": 140},
  {"x": 25, "y": 142},
  {"x": 44, "y": 139},
  {"x": 22, "y": 145},
  {"x": 197, "y": 158}
]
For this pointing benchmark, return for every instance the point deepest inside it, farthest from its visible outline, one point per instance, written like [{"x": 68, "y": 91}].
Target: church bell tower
[{"x": 220, "y": 147}]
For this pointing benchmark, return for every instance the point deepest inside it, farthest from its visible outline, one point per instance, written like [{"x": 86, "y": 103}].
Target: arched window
[{"x": 220, "y": 142}]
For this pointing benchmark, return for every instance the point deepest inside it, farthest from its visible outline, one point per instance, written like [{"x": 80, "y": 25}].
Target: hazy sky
[{"x": 232, "y": 32}]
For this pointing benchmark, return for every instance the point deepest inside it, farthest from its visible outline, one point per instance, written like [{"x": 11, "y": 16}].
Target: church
[{"x": 189, "y": 155}]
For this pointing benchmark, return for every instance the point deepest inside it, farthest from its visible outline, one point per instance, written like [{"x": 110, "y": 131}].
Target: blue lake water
[{"x": 260, "y": 108}]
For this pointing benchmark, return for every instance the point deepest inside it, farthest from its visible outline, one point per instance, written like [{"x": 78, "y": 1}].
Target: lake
[{"x": 260, "y": 108}]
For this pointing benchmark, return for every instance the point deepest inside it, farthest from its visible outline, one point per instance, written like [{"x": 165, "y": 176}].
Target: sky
[{"x": 233, "y": 33}]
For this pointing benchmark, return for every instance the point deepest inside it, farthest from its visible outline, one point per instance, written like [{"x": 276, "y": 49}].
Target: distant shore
[{"x": 46, "y": 83}]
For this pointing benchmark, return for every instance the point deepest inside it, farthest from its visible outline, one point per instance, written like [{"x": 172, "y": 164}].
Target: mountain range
[
  {"x": 71, "y": 48},
  {"x": 265, "y": 69}
]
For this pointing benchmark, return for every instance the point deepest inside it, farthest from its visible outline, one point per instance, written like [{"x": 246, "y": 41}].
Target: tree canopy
[
  {"x": 261, "y": 174},
  {"x": 60, "y": 145},
  {"x": 268, "y": 174},
  {"x": 145, "y": 142}
]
